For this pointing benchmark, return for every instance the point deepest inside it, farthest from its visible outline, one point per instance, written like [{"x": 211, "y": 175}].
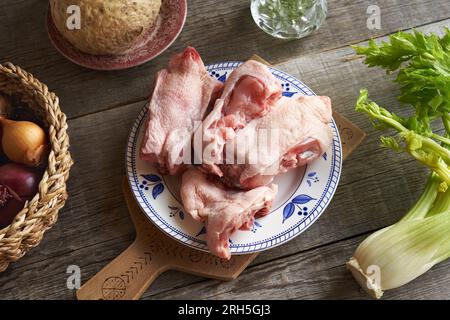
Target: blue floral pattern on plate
[
  {"x": 256, "y": 226},
  {"x": 152, "y": 180},
  {"x": 176, "y": 212},
  {"x": 296, "y": 203},
  {"x": 311, "y": 178}
]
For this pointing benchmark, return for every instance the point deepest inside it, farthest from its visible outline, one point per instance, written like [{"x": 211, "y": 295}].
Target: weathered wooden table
[{"x": 376, "y": 187}]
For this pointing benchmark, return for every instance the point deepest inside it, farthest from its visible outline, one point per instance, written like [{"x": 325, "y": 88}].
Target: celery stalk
[
  {"x": 395, "y": 255},
  {"x": 400, "y": 253},
  {"x": 426, "y": 200}
]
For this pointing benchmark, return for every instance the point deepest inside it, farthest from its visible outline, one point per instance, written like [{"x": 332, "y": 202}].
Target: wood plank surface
[
  {"x": 220, "y": 30},
  {"x": 313, "y": 274},
  {"x": 376, "y": 189},
  {"x": 94, "y": 227}
]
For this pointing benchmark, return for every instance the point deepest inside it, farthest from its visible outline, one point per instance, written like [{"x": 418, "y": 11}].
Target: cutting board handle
[{"x": 126, "y": 277}]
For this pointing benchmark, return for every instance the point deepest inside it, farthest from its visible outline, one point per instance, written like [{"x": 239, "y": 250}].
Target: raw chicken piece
[
  {"x": 180, "y": 98},
  {"x": 250, "y": 92},
  {"x": 293, "y": 134},
  {"x": 222, "y": 210}
]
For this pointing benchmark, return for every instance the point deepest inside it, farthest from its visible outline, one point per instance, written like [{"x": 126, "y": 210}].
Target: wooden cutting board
[{"x": 130, "y": 274}]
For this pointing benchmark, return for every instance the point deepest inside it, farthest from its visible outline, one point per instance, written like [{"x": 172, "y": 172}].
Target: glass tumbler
[{"x": 289, "y": 19}]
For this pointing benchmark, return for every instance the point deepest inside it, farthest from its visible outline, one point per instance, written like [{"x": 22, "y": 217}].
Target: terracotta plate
[{"x": 167, "y": 28}]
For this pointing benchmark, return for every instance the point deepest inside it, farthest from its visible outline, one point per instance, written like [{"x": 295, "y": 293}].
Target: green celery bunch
[
  {"x": 424, "y": 80},
  {"x": 397, "y": 254}
]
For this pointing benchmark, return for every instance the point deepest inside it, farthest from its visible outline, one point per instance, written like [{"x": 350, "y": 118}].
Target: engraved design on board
[{"x": 113, "y": 288}]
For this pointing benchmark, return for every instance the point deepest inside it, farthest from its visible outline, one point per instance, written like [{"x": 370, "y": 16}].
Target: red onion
[
  {"x": 9, "y": 211},
  {"x": 3, "y": 158},
  {"x": 18, "y": 184}
]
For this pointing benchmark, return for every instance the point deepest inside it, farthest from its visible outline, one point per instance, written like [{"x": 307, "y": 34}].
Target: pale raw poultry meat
[
  {"x": 296, "y": 132},
  {"x": 223, "y": 210},
  {"x": 249, "y": 103},
  {"x": 179, "y": 101},
  {"x": 250, "y": 92}
]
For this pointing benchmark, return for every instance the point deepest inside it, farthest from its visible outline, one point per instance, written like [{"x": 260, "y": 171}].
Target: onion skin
[
  {"x": 22, "y": 180},
  {"x": 9, "y": 211},
  {"x": 24, "y": 142},
  {"x": 18, "y": 184},
  {"x": 3, "y": 158}
]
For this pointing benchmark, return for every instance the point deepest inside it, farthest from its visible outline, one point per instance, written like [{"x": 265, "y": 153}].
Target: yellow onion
[{"x": 23, "y": 142}]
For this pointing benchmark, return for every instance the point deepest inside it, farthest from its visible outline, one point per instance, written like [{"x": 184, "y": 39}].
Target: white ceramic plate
[{"x": 304, "y": 193}]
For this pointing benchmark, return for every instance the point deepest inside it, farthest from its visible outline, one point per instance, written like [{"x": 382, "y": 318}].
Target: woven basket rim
[{"x": 41, "y": 212}]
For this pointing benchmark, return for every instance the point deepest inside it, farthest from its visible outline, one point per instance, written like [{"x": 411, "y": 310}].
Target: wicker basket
[{"x": 41, "y": 213}]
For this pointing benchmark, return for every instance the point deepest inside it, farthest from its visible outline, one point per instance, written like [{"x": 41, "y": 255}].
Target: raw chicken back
[{"x": 176, "y": 108}]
